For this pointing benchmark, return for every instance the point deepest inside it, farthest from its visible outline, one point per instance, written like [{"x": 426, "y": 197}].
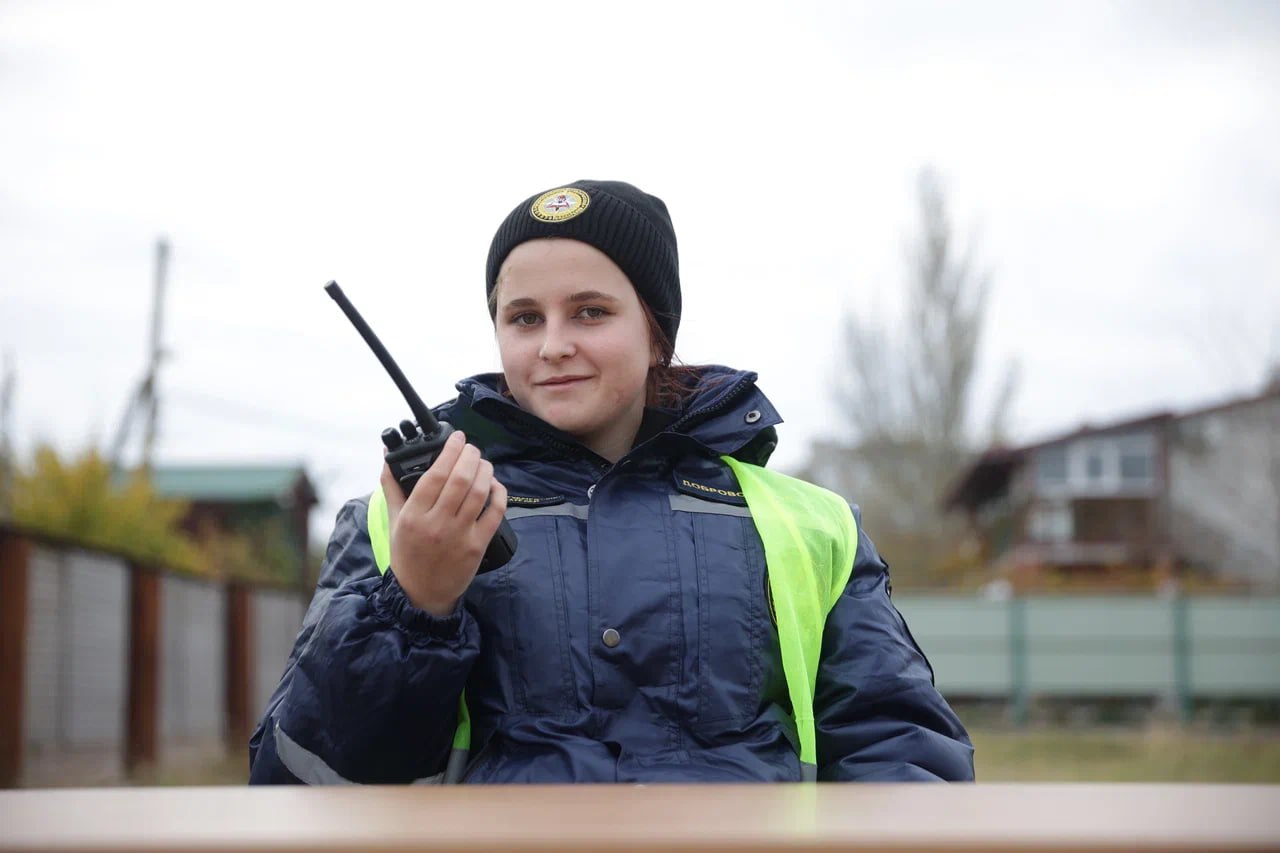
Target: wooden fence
[
  {"x": 107, "y": 665},
  {"x": 1174, "y": 649}
]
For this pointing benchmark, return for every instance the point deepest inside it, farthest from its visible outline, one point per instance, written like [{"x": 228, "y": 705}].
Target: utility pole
[
  {"x": 7, "y": 383},
  {"x": 153, "y": 366},
  {"x": 146, "y": 395}
]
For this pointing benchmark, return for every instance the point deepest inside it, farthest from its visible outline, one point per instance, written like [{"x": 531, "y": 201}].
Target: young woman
[{"x": 645, "y": 629}]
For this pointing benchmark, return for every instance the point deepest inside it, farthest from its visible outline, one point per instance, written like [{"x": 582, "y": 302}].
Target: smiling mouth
[{"x": 562, "y": 380}]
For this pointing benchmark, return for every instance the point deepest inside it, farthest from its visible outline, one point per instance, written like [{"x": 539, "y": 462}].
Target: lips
[{"x": 560, "y": 381}]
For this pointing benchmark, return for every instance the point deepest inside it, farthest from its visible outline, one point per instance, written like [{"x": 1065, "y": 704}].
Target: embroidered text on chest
[{"x": 710, "y": 489}]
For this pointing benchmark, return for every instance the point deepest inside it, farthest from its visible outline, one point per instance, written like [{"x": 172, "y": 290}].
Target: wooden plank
[
  {"x": 622, "y": 819},
  {"x": 239, "y": 662},
  {"x": 15, "y": 557},
  {"x": 144, "y": 668}
]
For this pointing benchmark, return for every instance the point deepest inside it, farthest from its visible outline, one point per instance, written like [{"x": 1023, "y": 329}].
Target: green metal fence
[{"x": 1176, "y": 648}]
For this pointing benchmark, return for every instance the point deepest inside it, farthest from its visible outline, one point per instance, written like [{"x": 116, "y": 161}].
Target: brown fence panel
[
  {"x": 239, "y": 666},
  {"x": 15, "y": 554},
  {"x": 144, "y": 664}
]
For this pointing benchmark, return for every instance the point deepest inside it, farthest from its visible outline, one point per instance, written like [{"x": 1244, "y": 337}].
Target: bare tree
[{"x": 909, "y": 397}]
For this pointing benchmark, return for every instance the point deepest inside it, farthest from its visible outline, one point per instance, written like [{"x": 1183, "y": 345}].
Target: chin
[{"x": 568, "y": 423}]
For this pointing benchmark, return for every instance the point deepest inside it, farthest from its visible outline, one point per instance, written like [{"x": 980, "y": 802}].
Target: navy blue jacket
[{"x": 655, "y": 547}]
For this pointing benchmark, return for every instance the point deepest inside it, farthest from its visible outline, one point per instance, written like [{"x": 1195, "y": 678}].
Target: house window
[
  {"x": 1051, "y": 522},
  {"x": 1094, "y": 463},
  {"x": 1135, "y": 468},
  {"x": 1051, "y": 466},
  {"x": 1137, "y": 460}
]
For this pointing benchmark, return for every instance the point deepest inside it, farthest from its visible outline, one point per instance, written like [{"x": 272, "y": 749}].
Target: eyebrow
[{"x": 580, "y": 296}]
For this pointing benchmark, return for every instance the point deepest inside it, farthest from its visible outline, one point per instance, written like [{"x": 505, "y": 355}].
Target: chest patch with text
[
  {"x": 722, "y": 489},
  {"x": 521, "y": 500}
]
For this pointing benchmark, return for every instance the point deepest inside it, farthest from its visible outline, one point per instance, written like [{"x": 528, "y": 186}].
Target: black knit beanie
[{"x": 630, "y": 226}]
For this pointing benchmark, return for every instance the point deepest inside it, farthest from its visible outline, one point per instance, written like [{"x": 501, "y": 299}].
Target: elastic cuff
[{"x": 391, "y": 602}]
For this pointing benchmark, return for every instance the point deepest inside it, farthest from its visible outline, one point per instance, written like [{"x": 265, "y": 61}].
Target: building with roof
[
  {"x": 269, "y": 505},
  {"x": 1195, "y": 492}
]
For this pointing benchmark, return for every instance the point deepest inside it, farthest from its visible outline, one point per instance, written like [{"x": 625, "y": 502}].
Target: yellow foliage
[
  {"x": 77, "y": 500},
  {"x": 254, "y": 552}
]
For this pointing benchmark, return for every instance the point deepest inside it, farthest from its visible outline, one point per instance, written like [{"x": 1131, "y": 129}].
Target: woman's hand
[{"x": 439, "y": 533}]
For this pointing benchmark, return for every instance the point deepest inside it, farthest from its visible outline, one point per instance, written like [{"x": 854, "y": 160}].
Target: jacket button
[
  {"x": 611, "y": 637},
  {"x": 753, "y": 416},
  {"x": 591, "y": 490}
]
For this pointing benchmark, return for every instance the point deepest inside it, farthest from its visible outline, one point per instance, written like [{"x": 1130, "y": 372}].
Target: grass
[
  {"x": 1154, "y": 753},
  {"x": 231, "y": 769}
]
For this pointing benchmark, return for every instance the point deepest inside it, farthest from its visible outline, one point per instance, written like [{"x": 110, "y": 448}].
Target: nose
[{"x": 557, "y": 342}]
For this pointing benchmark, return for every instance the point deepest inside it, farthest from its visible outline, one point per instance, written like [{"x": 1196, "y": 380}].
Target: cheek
[
  {"x": 515, "y": 366},
  {"x": 630, "y": 359},
  {"x": 511, "y": 352}
]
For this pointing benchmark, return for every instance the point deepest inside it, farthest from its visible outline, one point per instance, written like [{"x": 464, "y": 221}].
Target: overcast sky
[{"x": 1114, "y": 164}]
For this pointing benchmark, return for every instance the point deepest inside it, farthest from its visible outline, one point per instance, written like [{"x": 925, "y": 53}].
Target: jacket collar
[{"x": 727, "y": 414}]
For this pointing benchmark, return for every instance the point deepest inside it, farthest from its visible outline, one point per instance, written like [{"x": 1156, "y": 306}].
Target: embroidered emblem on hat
[{"x": 559, "y": 205}]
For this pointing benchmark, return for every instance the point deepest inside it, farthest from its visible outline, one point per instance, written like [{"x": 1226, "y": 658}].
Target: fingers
[
  {"x": 391, "y": 491},
  {"x": 427, "y": 492},
  {"x": 487, "y": 523},
  {"x": 457, "y": 487},
  {"x": 478, "y": 493},
  {"x": 457, "y": 484}
]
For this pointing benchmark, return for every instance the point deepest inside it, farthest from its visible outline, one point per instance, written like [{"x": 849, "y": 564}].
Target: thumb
[{"x": 395, "y": 497}]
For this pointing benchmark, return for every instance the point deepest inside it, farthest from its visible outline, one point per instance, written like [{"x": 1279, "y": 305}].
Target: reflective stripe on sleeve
[{"x": 311, "y": 769}]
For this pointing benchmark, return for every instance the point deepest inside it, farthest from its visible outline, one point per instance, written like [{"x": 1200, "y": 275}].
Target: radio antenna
[{"x": 426, "y": 420}]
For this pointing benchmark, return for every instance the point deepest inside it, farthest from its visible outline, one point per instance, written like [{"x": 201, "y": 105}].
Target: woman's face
[{"x": 574, "y": 341}]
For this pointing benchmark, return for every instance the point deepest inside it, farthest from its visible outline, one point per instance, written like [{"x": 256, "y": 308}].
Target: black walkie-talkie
[{"x": 412, "y": 448}]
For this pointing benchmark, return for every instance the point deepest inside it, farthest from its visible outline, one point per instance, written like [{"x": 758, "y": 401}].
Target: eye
[
  {"x": 528, "y": 318},
  {"x": 593, "y": 312}
]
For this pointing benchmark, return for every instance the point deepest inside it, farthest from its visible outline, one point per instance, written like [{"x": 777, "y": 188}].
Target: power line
[{"x": 239, "y": 412}]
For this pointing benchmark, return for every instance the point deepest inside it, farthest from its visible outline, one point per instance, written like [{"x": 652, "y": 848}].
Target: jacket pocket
[
  {"x": 523, "y": 612},
  {"x": 728, "y": 562}
]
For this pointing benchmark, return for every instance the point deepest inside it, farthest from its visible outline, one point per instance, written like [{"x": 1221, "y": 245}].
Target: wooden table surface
[{"x": 658, "y": 818}]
